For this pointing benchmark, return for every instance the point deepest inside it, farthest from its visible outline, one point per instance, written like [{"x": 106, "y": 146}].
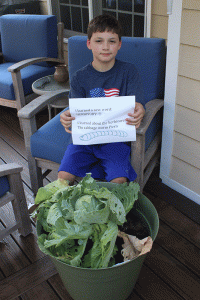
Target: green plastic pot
[{"x": 114, "y": 283}]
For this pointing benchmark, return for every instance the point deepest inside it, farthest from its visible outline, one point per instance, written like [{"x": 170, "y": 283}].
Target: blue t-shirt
[{"x": 121, "y": 80}]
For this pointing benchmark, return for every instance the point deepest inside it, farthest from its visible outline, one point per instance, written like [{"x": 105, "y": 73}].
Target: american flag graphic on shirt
[{"x": 100, "y": 92}]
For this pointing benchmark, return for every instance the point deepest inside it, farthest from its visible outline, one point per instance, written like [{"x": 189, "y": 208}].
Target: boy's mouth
[{"x": 105, "y": 54}]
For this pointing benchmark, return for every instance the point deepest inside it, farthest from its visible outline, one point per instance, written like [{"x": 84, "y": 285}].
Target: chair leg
[
  {"x": 35, "y": 174},
  {"x": 19, "y": 204},
  {"x": 29, "y": 127},
  {"x": 137, "y": 159}
]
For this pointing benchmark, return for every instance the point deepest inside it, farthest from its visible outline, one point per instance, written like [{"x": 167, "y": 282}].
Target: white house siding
[{"x": 185, "y": 163}]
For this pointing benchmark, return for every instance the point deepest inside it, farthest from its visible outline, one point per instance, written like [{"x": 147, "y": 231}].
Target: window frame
[{"x": 95, "y": 9}]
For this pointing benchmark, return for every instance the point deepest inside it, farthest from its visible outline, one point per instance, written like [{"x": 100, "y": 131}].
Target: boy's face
[{"x": 104, "y": 46}]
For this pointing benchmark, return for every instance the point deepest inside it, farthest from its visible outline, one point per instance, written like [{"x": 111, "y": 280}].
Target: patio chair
[
  {"x": 46, "y": 146},
  {"x": 27, "y": 40},
  {"x": 11, "y": 190}
]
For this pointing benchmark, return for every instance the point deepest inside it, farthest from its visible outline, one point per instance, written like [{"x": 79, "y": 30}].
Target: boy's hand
[
  {"x": 137, "y": 116},
  {"x": 66, "y": 120}
]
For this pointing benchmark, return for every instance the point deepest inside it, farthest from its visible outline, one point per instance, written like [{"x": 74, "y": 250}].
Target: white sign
[{"x": 102, "y": 120}]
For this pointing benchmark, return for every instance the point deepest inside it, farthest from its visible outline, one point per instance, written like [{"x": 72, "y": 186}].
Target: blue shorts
[{"x": 104, "y": 161}]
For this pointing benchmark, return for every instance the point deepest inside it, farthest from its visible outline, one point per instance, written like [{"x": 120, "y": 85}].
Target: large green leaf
[{"x": 46, "y": 192}]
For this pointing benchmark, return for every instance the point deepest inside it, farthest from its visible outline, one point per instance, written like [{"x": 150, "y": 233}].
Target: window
[
  {"x": 130, "y": 14},
  {"x": 75, "y": 14}
]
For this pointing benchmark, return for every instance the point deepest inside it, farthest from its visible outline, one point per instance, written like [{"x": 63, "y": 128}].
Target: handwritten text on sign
[{"x": 102, "y": 120}]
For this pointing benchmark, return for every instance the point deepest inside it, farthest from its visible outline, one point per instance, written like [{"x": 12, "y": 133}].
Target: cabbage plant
[{"x": 80, "y": 223}]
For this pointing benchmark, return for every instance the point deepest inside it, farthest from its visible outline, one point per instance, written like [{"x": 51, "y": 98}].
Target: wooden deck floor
[{"x": 171, "y": 270}]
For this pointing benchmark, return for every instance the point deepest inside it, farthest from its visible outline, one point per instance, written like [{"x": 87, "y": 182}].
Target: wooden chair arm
[
  {"x": 7, "y": 169},
  {"x": 36, "y": 105},
  {"x": 152, "y": 107},
  {"x": 27, "y": 62}
]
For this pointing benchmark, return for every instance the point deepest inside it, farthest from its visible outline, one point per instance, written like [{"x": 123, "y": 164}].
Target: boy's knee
[
  {"x": 119, "y": 180},
  {"x": 66, "y": 176}
]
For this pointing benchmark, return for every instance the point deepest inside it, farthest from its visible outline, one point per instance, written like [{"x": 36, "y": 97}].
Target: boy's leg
[
  {"x": 76, "y": 162},
  {"x": 115, "y": 159},
  {"x": 67, "y": 176},
  {"x": 119, "y": 180}
]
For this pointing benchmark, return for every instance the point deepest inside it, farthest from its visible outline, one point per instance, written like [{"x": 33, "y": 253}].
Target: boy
[{"x": 105, "y": 161}]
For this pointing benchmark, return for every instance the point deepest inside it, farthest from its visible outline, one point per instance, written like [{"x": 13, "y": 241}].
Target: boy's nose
[{"x": 105, "y": 45}]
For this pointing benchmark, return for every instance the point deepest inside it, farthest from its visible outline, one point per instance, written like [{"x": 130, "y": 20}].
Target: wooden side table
[{"x": 48, "y": 84}]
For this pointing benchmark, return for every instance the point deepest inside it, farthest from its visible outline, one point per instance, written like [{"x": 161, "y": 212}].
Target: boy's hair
[{"x": 104, "y": 23}]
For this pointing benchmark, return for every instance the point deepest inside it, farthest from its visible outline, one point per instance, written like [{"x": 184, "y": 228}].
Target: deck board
[
  {"x": 152, "y": 287},
  {"x": 174, "y": 273},
  {"x": 12, "y": 258},
  {"x": 9, "y": 155},
  {"x": 27, "y": 278},
  {"x": 58, "y": 286},
  {"x": 28, "y": 245},
  {"x": 179, "y": 222},
  {"x": 170, "y": 271},
  {"x": 43, "y": 289},
  {"x": 179, "y": 247}
]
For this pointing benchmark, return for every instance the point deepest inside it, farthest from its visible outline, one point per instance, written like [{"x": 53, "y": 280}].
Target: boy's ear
[{"x": 88, "y": 44}]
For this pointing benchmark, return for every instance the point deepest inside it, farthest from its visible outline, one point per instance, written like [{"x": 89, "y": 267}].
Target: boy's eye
[{"x": 99, "y": 41}]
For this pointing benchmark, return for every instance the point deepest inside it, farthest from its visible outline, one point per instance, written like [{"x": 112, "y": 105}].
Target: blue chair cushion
[
  {"x": 4, "y": 185},
  {"x": 50, "y": 141},
  {"x": 27, "y": 36},
  {"x": 28, "y": 74}
]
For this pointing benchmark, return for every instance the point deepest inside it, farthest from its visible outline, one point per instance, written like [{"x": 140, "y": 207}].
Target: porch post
[{"x": 173, "y": 45}]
